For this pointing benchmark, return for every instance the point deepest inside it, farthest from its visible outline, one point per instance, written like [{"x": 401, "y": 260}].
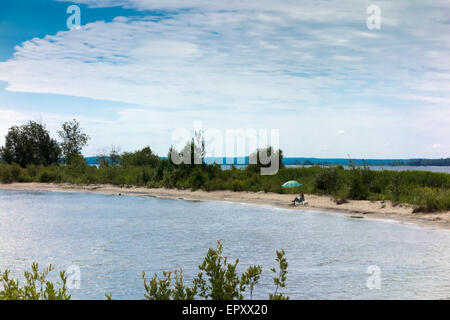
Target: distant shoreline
[
  {"x": 302, "y": 161},
  {"x": 352, "y": 209}
]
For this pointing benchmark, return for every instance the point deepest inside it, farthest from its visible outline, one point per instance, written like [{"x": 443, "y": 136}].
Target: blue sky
[{"x": 137, "y": 70}]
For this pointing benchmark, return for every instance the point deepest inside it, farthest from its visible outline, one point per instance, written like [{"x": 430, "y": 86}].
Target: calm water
[{"x": 113, "y": 239}]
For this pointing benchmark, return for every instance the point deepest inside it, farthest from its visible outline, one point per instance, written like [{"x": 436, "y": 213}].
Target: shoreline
[{"x": 353, "y": 209}]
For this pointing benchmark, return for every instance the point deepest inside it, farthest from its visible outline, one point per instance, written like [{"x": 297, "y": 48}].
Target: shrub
[
  {"x": 5, "y": 173},
  {"x": 197, "y": 178},
  {"x": 10, "y": 172},
  {"x": 169, "y": 179},
  {"x": 360, "y": 182},
  {"x": 327, "y": 180},
  {"x": 217, "y": 280},
  {"x": 24, "y": 177},
  {"x": 78, "y": 165},
  {"x": 37, "y": 287},
  {"x": 396, "y": 188},
  {"x": 431, "y": 202},
  {"x": 15, "y": 171},
  {"x": 47, "y": 177},
  {"x": 144, "y": 157},
  {"x": 32, "y": 171},
  {"x": 238, "y": 185}
]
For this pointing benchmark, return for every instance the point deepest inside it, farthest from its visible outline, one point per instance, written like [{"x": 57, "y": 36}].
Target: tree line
[
  {"x": 31, "y": 144},
  {"x": 33, "y": 156}
]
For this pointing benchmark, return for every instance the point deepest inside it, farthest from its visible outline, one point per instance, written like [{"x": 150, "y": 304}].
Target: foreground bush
[
  {"x": 37, "y": 287},
  {"x": 217, "y": 280}
]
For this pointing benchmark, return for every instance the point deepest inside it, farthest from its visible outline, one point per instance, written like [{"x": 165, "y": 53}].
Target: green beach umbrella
[{"x": 291, "y": 184}]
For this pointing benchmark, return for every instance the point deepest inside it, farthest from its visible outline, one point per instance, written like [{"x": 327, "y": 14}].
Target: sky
[{"x": 137, "y": 70}]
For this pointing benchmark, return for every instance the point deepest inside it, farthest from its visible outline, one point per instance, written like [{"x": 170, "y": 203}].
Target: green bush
[
  {"x": 37, "y": 287},
  {"x": 433, "y": 201},
  {"x": 5, "y": 173},
  {"x": 238, "y": 185},
  {"x": 360, "y": 183},
  {"x": 197, "y": 178},
  {"x": 32, "y": 171},
  {"x": 396, "y": 188},
  {"x": 327, "y": 180},
  {"x": 47, "y": 177},
  {"x": 15, "y": 171},
  {"x": 12, "y": 172},
  {"x": 217, "y": 280}
]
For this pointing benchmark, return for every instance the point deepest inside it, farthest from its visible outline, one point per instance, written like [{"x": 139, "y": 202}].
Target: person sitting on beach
[{"x": 299, "y": 199}]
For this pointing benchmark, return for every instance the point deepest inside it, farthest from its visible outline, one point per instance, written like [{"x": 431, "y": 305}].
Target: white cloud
[
  {"x": 263, "y": 63},
  {"x": 223, "y": 59}
]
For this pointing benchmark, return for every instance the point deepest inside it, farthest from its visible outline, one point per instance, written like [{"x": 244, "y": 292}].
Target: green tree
[
  {"x": 73, "y": 139},
  {"x": 193, "y": 152},
  {"x": 256, "y": 163},
  {"x": 144, "y": 157},
  {"x": 327, "y": 180},
  {"x": 114, "y": 155},
  {"x": 30, "y": 144},
  {"x": 111, "y": 156}
]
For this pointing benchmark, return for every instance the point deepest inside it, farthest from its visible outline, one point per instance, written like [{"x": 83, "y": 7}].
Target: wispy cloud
[{"x": 251, "y": 58}]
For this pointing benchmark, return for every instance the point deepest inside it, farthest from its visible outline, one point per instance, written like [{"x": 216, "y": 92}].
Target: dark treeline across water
[{"x": 288, "y": 161}]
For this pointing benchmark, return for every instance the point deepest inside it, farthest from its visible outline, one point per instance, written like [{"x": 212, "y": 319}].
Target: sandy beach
[{"x": 358, "y": 209}]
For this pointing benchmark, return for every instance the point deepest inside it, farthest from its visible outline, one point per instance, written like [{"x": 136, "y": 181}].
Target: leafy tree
[
  {"x": 327, "y": 180},
  {"x": 193, "y": 152},
  {"x": 144, "y": 157},
  {"x": 256, "y": 163},
  {"x": 109, "y": 156},
  {"x": 102, "y": 158},
  {"x": 73, "y": 139},
  {"x": 164, "y": 165},
  {"x": 114, "y": 155},
  {"x": 187, "y": 165},
  {"x": 197, "y": 178},
  {"x": 30, "y": 144}
]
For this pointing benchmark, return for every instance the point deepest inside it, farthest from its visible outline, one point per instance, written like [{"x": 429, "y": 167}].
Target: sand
[{"x": 359, "y": 209}]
